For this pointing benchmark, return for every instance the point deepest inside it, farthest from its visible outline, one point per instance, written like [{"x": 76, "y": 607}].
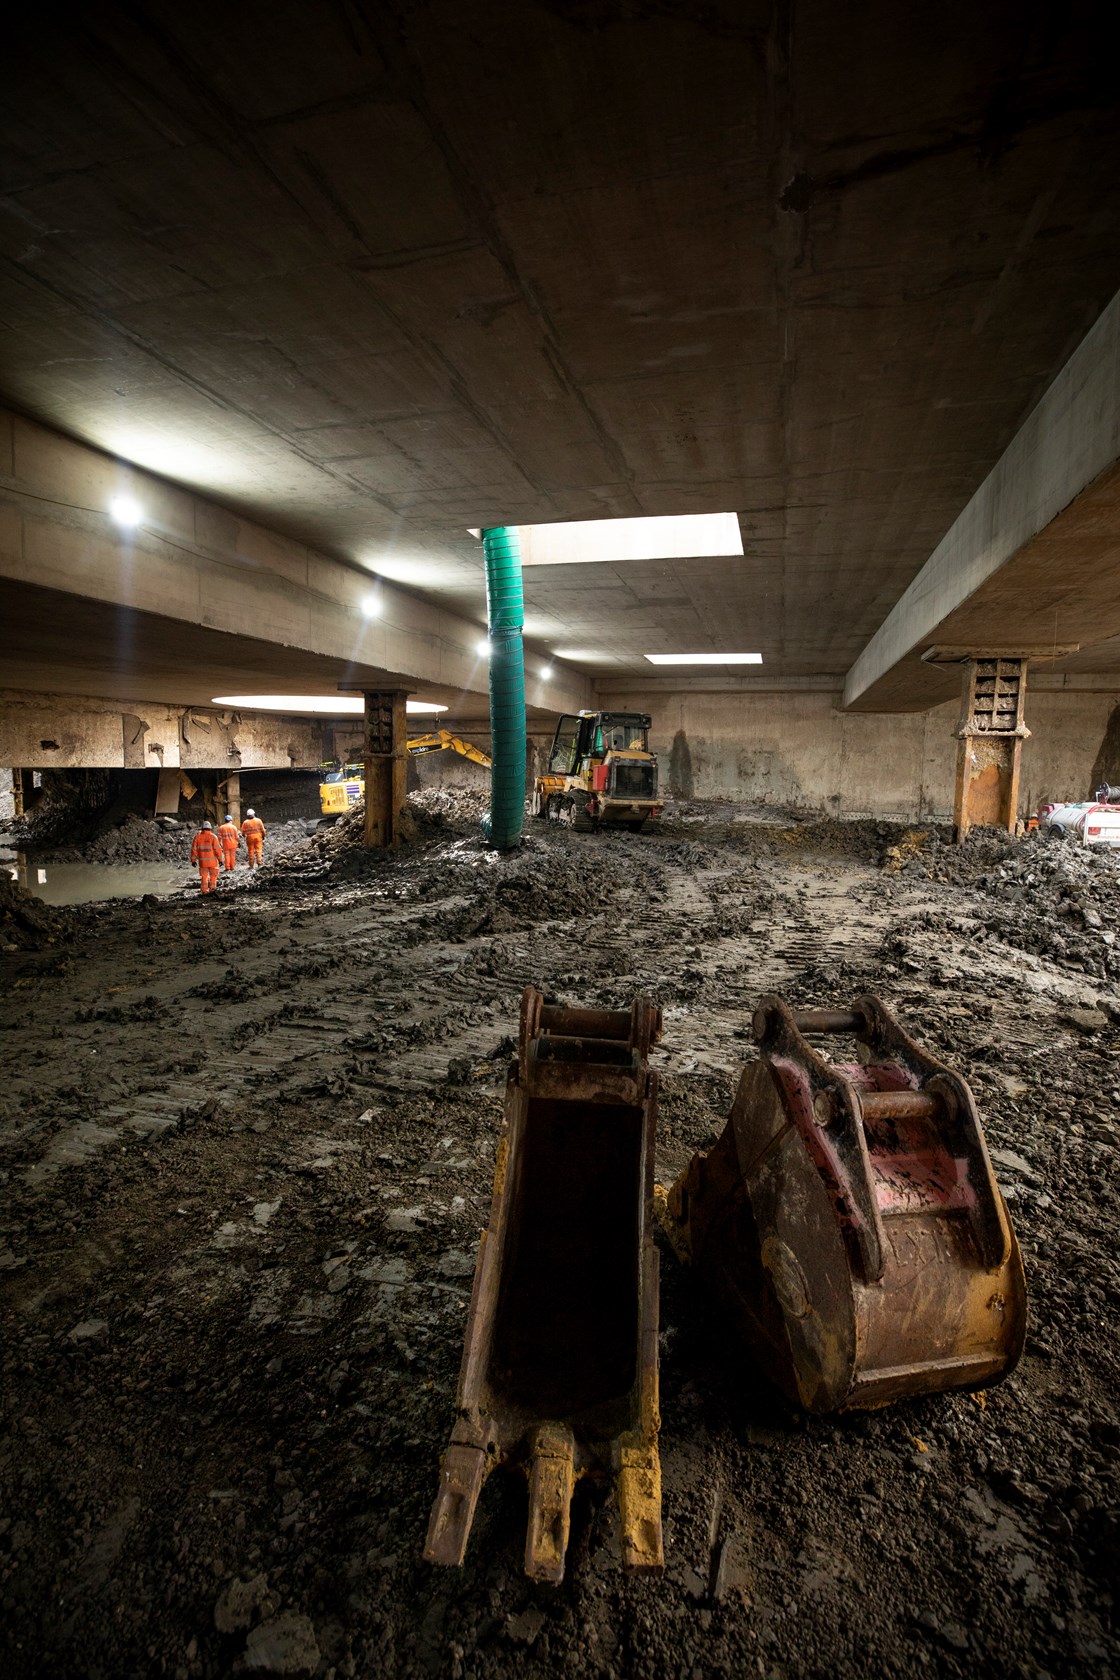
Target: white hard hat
[
  {"x": 206, "y": 825},
  {"x": 250, "y": 812}
]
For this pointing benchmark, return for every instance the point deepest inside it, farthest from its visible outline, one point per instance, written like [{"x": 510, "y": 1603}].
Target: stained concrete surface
[
  {"x": 810, "y": 266},
  {"x": 247, "y": 1153},
  {"x": 799, "y": 749}
]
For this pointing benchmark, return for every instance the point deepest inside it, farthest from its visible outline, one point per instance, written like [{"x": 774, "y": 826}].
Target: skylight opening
[
  {"x": 326, "y": 705},
  {"x": 679, "y": 536},
  {"x": 704, "y": 658}
]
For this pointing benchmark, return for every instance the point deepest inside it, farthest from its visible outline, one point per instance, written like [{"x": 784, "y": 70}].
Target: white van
[{"x": 1087, "y": 822}]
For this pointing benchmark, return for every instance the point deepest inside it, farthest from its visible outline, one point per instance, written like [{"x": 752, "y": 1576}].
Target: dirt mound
[
  {"x": 25, "y": 923},
  {"x": 867, "y": 838},
  {"x": 137, "y": 840},
  {"x": 248, "y": 1149}
]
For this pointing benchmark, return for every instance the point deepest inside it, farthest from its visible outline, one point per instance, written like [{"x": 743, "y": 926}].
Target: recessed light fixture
[
  {"x": 704, "y": 658},
  {"x": 370, "y": 605},
  {"x": 126, "y": 511},
  {"x": 330, "y": 705}
]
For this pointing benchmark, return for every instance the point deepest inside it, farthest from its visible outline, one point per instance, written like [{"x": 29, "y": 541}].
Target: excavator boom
[{"x": 344, "y": 784}]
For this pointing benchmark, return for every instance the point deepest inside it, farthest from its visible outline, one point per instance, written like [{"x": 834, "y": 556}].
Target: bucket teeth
[
  {"x": 559, "y": 1371},
  {"x": 638, "y": 1486},
  {"x": 551, "y": 1480},
  {"x": 461, "y": 1477}
]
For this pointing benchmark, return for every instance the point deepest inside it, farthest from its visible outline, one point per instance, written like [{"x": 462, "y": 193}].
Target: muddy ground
[{"x": 246, "y": 1153}]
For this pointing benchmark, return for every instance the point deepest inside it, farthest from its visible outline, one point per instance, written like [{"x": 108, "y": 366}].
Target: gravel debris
[{"x": 246, "y": 1159}]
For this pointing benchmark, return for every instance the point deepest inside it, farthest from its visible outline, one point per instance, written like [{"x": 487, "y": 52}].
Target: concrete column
[
  {"x": 229, "y": 795},
  {"x": 385, "y": 756},
  {"x": 990, "y": 737}
]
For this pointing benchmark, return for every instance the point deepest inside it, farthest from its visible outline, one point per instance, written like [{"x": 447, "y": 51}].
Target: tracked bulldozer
[{"x": 848, "y": 1220}]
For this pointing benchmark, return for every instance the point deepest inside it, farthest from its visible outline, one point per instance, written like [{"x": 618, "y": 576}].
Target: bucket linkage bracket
[{"x": 850, "y": 1219}]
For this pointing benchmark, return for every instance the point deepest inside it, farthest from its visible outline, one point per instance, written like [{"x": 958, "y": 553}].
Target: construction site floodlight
[
  {"x": 370, "y": 604},
  {"x": 704, "y": 658},
  {"x": 483, "y": 649},
  {"x": 125, "y": 511},
  {"x": 546, "y": 673}
]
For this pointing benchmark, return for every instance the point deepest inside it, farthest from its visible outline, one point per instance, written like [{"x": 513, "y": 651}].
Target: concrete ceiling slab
[{"x": 375, "y": 274}]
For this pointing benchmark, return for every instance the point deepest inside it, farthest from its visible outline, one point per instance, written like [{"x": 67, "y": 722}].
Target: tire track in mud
[
  {"x": 346, "y": 1001},
  {"x": 271, "y": 1295}
]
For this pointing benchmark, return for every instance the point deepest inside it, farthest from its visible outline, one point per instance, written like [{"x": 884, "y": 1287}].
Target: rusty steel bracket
[
  {"x": 559, "y": 1371},
  {"x": 850, "y": 1217}
]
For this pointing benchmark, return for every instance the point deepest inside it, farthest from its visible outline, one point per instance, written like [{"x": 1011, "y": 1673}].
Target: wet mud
[{"x": 246, "y": 1155}]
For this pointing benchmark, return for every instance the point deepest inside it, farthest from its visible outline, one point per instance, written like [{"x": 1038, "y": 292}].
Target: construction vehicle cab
[
  {"x": 342, "y": 785},
  {"x": 600, "y": 771}
]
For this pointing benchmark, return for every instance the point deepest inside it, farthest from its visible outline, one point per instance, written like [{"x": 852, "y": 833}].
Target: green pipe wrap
[{"x": 505, "y": 618}]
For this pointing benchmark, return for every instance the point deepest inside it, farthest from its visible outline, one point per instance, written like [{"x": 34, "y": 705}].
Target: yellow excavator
[{"x": 343, "y": 785}]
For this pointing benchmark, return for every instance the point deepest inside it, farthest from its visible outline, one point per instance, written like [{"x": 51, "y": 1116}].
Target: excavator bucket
[
  {"x": 849, "y": 1218},
  {"x": 559, "y": 1371}
]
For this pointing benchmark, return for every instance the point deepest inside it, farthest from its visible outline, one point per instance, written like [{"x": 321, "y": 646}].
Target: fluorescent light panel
[
  {"x": 704, "y": 658},
  {"x": 331, "y": 705}
]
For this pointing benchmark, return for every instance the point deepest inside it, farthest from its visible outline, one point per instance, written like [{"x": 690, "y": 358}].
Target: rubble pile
[
  {"x": 248, "y": 1150},
  {"x": 137, "y": 840},
  {"x": 25, "y": 923}
]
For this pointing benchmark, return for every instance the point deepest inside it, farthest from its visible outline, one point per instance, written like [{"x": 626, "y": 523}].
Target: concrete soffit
[{"x": 1069, "y": 443}]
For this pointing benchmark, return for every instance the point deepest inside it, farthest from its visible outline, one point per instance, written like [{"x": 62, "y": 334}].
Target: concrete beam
[
  {"x": 193, "y": 564},
  {"x": 38, "y": 732},
  {"x": 1032, "y": 557}
]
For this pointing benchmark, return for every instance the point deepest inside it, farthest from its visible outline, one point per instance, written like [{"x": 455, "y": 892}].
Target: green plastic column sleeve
[{"x": 505, "y": 618}]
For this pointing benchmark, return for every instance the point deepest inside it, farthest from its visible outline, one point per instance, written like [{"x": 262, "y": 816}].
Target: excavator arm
[
  {"x": 442, "y": 740},
  {"x": 343, "y": 784}
]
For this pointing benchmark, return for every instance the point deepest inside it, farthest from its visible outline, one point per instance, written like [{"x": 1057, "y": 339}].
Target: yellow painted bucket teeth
[{"x": 559, "y": 1370}]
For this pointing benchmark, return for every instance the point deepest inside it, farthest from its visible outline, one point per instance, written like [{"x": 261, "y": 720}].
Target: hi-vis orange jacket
[
  {"x": 205, "y": 848},
  {"x": 229, "y": 837},
  {"x": 253, "y": 829}
]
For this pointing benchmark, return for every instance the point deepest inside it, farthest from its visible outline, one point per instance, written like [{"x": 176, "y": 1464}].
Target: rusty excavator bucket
[
  {"x": 559, "y": 1371},
  {"x": 849, "y": 1218}
]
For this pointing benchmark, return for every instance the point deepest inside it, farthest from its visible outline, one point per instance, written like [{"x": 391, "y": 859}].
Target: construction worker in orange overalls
[
  {"x": 207, "y": 853},
  {"x": 254, "y": 831},
  {"x": 229, "y": 839}
]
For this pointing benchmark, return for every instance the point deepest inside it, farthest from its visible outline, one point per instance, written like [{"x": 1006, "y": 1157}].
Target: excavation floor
[{"x": 247, "y": 1145}]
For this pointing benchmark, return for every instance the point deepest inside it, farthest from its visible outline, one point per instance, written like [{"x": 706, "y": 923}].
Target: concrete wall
[
  {"x": 797, "y": 749},
  {"x": 41, "y": 733}
]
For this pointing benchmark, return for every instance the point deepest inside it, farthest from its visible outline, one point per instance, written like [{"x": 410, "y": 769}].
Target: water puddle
[{"x": 86, "y": 883}]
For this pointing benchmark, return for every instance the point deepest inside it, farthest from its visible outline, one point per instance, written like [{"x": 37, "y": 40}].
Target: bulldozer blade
[
  {"x": 559, "y": 1370},
  {"x": 849, "y": 1218}
]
